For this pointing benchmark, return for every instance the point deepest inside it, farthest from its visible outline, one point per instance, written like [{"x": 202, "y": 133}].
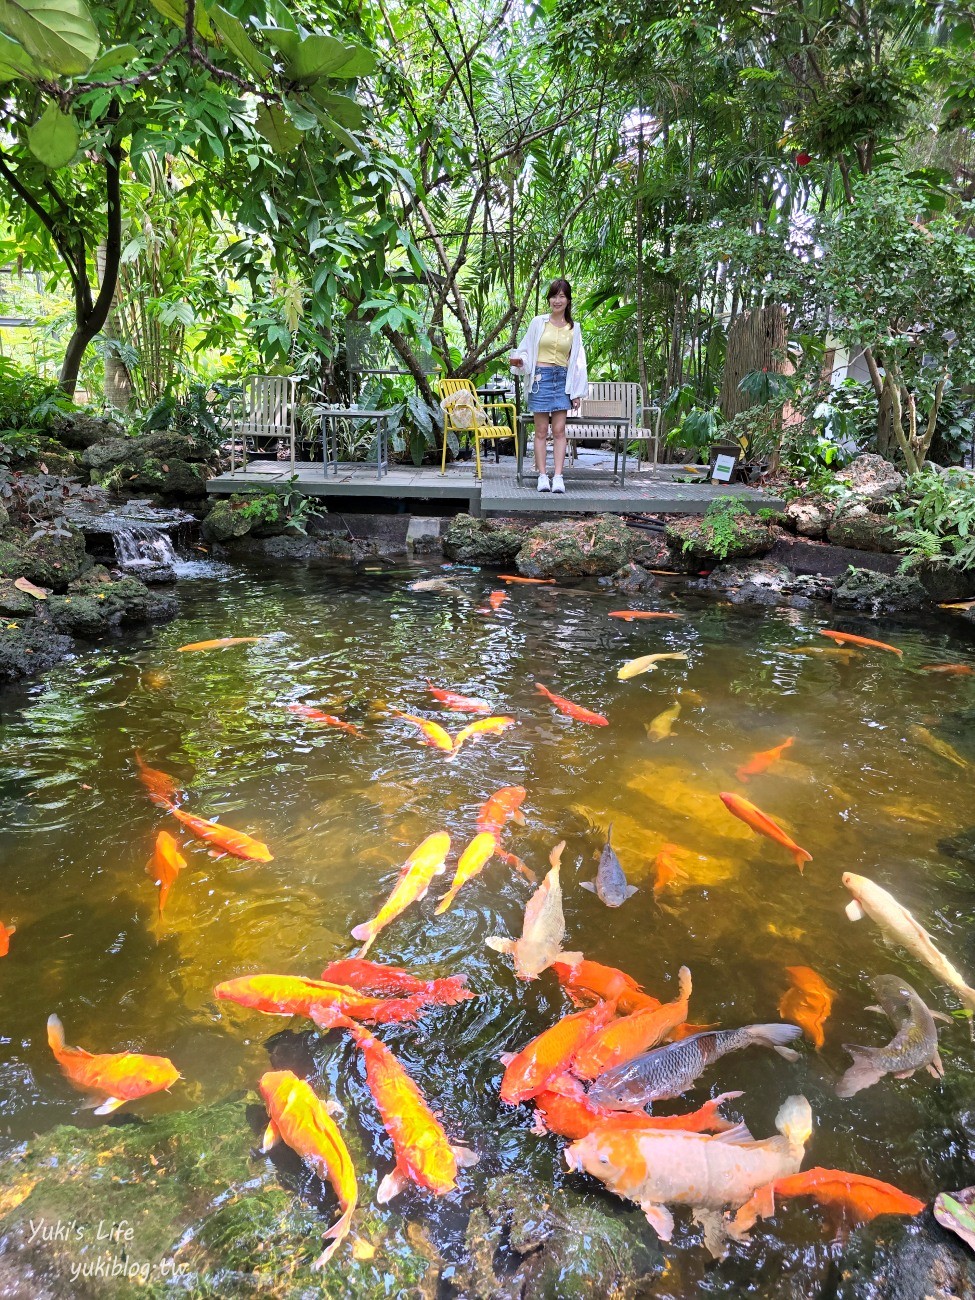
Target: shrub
[{"x": 937, "y": 515}]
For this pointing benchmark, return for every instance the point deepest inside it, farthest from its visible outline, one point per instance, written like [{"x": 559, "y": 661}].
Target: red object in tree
[{"x": 803, "y": 159}]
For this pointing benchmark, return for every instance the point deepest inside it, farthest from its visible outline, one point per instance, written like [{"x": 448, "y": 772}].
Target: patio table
[
  {"x": 330, "y": 437},
  {"x": 619, "y": 423}
]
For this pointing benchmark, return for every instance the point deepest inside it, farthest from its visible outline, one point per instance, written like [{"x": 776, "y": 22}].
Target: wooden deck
[{"x": 589, "y": 487}]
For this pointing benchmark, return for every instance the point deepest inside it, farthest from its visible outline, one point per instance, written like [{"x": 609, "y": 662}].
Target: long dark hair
[{"x": 562, "y": 285}]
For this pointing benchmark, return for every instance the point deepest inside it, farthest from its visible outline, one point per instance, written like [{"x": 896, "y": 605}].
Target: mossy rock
[
  {"x": 944, "y": 583},
  {"x": 29, "y": 647},
  {"x": 567, "y": 549},
  {"x": 483, "y": 541},
  {"x": 197, "y": 1198},
  {"x": 225, "y": 520},
  {"x": 565, "y": 1246},
  {"x": 56, "y": 458},
  {"x": 12, "y": 557},
  {"x": 855, "y": 525},
  {"x": 53, "y": 560},
  {"x": 719, "y": 536},
  {"x": 631, "y": 579},
  {"x": 906, "y": 1259},
  {"x": 879, "y": 593},
  {"x": 15, "y": 603},
  {"x": 80, "y": 431}
]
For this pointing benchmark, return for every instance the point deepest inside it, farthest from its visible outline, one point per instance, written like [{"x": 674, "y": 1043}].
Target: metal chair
[
  {"x": 472, "y": 417},
  {"x": 267, "y": 419}
]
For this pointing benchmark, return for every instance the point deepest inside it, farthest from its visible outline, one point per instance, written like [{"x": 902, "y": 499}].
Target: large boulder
[
  {"x": 225, "y": 520},
  {"x": 752, "y": 582},
  {"x": 879, "y": 593},
  {"x": 719, "y": 536},
  {"x": 809, "y": 516},
  {"x": 168, "y": 463},
  {"x": 943, "y": 583},
  {"x": 79, "y": 430},
  {"x": 568, "y": 549},
  {"x": 469, "y": 540},
  {"x": 872, "y": 478},
  {"x": 855, "y": 525},
  {"x": 55, "y": 558}
]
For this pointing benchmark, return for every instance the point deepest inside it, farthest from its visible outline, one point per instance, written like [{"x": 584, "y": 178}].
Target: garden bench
[{"x": 267, "y": 423}]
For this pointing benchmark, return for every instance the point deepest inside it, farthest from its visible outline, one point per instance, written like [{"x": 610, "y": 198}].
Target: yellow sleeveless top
[{"x": 555, "y": 345}]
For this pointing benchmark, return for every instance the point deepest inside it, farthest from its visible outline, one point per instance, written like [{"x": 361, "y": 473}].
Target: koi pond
[{"x": 877, "y": 780}]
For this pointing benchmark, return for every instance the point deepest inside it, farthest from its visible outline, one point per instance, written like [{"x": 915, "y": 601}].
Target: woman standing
[{"x": 553, "y": 360}]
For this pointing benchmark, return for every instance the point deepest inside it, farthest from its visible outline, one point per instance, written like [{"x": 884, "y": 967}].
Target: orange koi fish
[
  {"x": 5, "y": 932},
  {"x": 459, "y": 703},
  {"x": 572, "y": 710},
  {"x": 482, "y": 727},
  {"x": 114, "y": 1077},
  {"x": 842, "y": 638},
  {"x": 528, "y": 582},
  {"x": 591, "y": 979},
  {"x": 424, "y": 1153},
  {"x": 532, "y": 1069},
  {"x": 165, "y": 865},
  {"x": 628, "y": 615},
  {"x": 326, "y": 719},
  {"x": 297, "y": 1117},
  {"x": 434, "y": 734},
  {"x": 476, "y": 856},
  {"x": 763, "y": 825},
  {"x": 497, "y": 599},
  {"x": 163, "y": 789},
  {"x": 293, "y": 995},
  {"x": 373, "y": 977},
  {"x": 425, "y": 862},
  {"x": 623, "y": 1039},
  {"x": 856, "y": 1196},
  {"x": 764, "y": 759},
  {"x": 565, "y": 1109},
  {"x": 222, "y": 837},
  {"x": 500, "y": 806},
  {"x": 219, "y": 643},
  {"x": 808, "y": 1002},
  {"x": 666, "y": 869},
  {"x": 513, "y": 860},
  {"x": 949, "y": 670}
]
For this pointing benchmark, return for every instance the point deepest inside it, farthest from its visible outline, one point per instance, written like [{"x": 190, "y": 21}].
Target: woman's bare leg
[
  {"x": 558, "y": 439},
  {"x": 541, "y": 440}
]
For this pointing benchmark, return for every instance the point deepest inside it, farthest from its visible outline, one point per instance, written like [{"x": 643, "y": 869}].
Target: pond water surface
[{"x": 340, "y": 814}]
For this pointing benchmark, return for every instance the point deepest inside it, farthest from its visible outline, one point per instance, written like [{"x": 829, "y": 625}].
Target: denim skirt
[{"x": 547, "y": 391}]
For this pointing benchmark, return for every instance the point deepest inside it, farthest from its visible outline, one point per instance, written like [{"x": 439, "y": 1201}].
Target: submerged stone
[
  {"x": 196, "y": 1211},
  {"x": 563, "y": 1244}
]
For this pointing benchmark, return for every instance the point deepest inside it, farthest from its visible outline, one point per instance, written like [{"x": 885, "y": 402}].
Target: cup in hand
[{"x": 515, "y": 362}]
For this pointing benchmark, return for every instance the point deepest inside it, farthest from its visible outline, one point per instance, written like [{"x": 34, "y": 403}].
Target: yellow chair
[{"x": 471, "y": 416}]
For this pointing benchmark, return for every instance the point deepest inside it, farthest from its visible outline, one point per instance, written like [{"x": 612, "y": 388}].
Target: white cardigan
[{"x": 576, "y": 379}]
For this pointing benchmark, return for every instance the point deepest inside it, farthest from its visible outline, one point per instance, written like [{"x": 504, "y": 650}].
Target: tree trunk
[
  {"x": 118, "y": 381},
  {"x": 756, "y": 341},
  {"x": 91, "y": 316}
]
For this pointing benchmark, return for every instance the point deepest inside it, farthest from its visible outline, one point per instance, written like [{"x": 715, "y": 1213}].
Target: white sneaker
[
  {"x": 543, "y": 483},
  {"x": 558, "y": 484}
]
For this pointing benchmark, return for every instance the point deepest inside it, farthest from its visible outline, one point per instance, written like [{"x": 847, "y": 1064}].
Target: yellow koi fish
[
  {"x": 663, "y": 724},
  {"x": 645, "y": 664},
  {"x": 425, "y": 862}
]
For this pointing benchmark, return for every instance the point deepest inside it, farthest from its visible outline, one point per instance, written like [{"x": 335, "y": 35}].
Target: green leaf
[
  {"x": 175, "y": 11},
  {"x": 343, "y": 109},
  {"x": 303, "y": 119},
  {"x": 112, "y": 57},
  {"x": 54, "y": 139},
  {"x": 273, "y": 125},
  {"x": 317, "y": 55},
  {"x": 15, "y": 61},
  {"x": 60, "y": 34},
  {"x": 340, "y": 133},
  {"x": 234, "y": 35}
]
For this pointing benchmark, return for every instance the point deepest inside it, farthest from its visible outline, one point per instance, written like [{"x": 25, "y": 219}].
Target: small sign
[{"x": 724, "y": 467}]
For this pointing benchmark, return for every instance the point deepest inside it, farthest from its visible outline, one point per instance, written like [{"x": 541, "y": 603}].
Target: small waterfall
[{"x": 143, "y": 548}]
